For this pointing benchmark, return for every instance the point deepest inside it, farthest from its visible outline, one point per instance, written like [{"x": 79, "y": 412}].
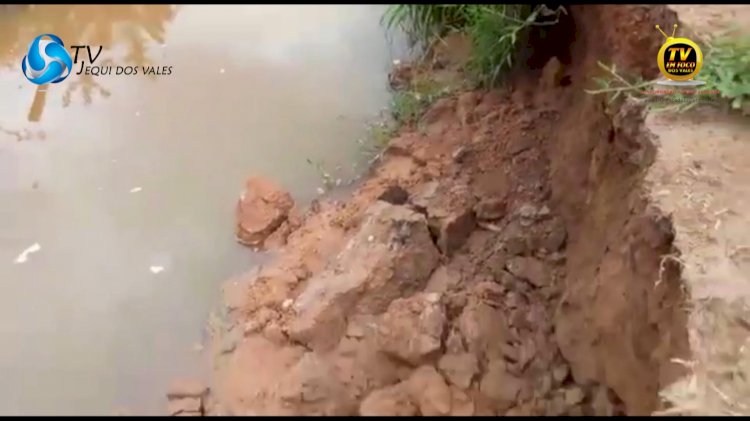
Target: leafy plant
[
  {"x": 495, "y": 30},
  {"x": 616, "y": 86},
  {"x": 409, "y": 104},
  {"x": 726, "y": 68},
  {"x": 406, "y": 106},
  {"x": 423, "y": 22}
]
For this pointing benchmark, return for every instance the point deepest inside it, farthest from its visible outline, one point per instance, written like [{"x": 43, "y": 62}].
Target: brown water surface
[{"x": 118, "y": 177}]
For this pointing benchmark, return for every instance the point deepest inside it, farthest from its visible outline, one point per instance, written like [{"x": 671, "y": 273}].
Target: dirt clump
[
  {"x": 412, "y": 328},
  {"x": 262, "y": 209},
  {"x": 450, "y": 213},
  {"x": 390, "y": 256},
  {"x": 459, "y": 369},
  {"x": 389, "y": 401},
  {"x": 529, "y": 269}
]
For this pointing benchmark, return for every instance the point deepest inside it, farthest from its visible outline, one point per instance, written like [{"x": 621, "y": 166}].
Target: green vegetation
[
  {"x": 726, "y": 69},
  {"x": 616, "y": 86},
  {"x": 494, "y": 30},
  {"x": 409, "y": 104},
  {"x": 326, "y": 177},
  {"x": 380, "y": 134},
  {"x": 406, "y": 107},
  {"x": 424, "y": 22}
]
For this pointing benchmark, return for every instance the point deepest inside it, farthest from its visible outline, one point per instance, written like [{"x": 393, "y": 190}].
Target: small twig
[{"x": 723, "y": 397}]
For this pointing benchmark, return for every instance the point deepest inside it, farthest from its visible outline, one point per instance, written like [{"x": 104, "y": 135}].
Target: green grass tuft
[
  {"x": 423, "y": 22},
  {"x": 381, "y": 134},
  {"x": 495, "y": 30},
  {"x": 407, "y": 106},
  {"x": 726, "y": 68}
]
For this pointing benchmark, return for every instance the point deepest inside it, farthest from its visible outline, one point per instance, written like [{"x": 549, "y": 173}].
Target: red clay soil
[{"x": 509, "y": 267}]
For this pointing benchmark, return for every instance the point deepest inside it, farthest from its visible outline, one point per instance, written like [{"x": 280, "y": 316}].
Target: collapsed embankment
[{"x": 500, "y": 259}]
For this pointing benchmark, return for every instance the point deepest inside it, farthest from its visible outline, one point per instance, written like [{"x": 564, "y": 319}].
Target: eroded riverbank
[
  {"x": 505, "y": 257},
  {"x": 127, "y": 184}
]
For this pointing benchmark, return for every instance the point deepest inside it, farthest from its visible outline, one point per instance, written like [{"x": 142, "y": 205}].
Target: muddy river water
[{"x": 123, "y": 187}]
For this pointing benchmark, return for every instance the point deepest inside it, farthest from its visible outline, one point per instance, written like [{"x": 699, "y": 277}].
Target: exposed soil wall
[
  {"x": 622, "y": 318},
  {"x": 500, "y": 259}
]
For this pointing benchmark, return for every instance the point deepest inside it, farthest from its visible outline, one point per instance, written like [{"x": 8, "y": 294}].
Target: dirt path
[
  {"x": 701, "y": 179},
  {"x": 708, "y": 19},
  {"x": 524, "y": 251}
]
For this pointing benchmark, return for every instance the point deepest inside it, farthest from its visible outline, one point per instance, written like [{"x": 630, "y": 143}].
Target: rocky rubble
[
  {"x": 440, "y": 300},
  {"x": 412, "y": 328},
  {"x": 450, "y": 213},
  {"x": 392, "y": 255},
  {"x": 389, "y": 330}
]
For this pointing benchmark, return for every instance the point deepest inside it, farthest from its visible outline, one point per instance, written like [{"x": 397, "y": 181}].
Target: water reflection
[{"x": 111, "y": 26}]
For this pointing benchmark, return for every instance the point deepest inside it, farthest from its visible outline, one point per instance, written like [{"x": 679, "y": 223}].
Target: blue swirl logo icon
[{"x": 47, "y": 61}]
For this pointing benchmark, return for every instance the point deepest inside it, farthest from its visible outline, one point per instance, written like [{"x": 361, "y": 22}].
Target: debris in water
[
  {"x": 136, "y": 189},
  {"x": 197, "y": 347},
  {"x": 221, "y": 70},
  {"x": 321, "y": 190},
  {"x": 137, "y": 113},
  {"x": 24, "y": 256},
  {"x": 156, "y": 269}
]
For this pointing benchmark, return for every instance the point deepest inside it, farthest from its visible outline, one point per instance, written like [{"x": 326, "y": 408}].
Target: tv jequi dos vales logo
[{"x": 48, "y": 61}]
